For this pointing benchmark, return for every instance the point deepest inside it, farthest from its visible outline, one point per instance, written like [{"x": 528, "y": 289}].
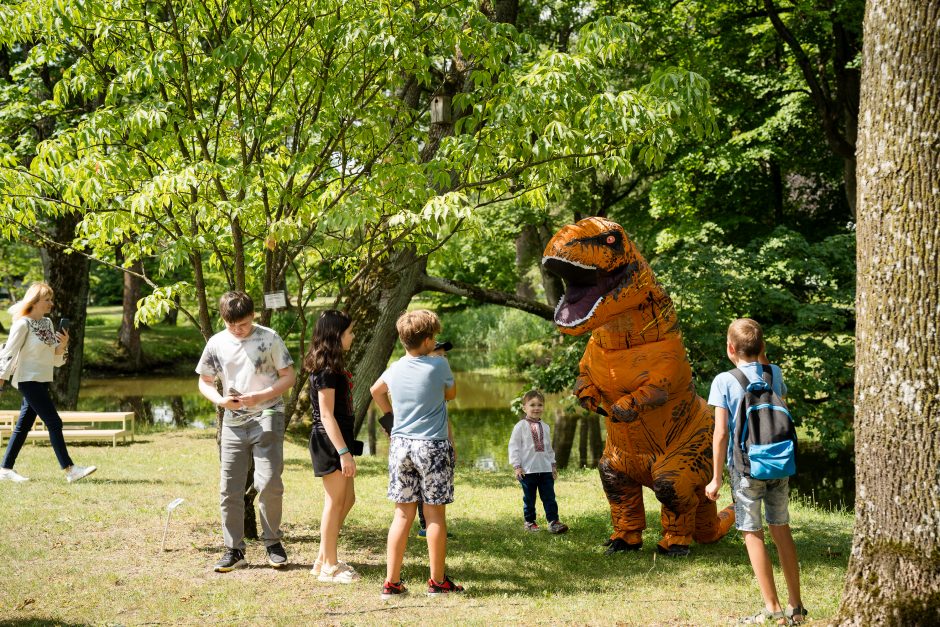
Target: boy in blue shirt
[
  {"x": 421, "y": 451},
  {"x": 745, "y": 349}
]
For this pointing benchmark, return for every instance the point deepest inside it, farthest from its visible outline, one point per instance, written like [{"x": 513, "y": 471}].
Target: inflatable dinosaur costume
[{"x": 635, "y": 372}]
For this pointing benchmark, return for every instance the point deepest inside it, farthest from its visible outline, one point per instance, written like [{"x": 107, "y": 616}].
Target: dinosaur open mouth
[{"x": 586, "y": 287}]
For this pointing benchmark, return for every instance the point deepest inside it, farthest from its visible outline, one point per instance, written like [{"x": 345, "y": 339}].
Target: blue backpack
[{"x": 764, "y": 434}]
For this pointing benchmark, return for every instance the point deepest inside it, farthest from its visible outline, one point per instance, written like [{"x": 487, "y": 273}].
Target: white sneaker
[
  {"x": 8, "y": 474},
  {"x": 75, "y": 473},
  {"x": 340, "y": 573},
  {"x": 317, "y": 567}
]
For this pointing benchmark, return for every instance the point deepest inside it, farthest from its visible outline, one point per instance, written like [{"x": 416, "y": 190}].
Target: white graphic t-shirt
[{"x": 245, "y": 365}]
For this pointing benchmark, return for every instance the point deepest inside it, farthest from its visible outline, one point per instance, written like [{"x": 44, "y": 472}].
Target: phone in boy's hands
[{"x": 234, "y": 394}]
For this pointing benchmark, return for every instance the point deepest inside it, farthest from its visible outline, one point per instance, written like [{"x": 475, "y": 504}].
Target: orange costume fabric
[{"x": 635, "y": 372}]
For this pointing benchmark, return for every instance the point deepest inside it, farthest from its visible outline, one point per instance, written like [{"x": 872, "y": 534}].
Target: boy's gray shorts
[
  {"x": 420, "y": 470},
  {"x": 748, "y": 495}
]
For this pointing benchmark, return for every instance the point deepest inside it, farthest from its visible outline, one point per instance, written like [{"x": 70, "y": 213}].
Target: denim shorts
[
  {"x": 420, "y": 470},
  {"x": 748, "y": 494}
]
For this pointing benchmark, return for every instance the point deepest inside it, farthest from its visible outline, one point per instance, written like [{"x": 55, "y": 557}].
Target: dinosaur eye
[{"x": 611, "y": 239}]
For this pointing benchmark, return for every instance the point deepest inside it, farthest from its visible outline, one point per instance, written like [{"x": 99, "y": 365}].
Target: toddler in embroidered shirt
[{"x": 532, "y": 458}]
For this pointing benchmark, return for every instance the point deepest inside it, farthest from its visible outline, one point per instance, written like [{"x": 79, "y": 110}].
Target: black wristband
[{"x": 387, "y": 421}]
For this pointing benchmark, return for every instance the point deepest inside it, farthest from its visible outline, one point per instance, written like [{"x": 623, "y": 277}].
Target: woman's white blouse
[{"x": 29, "y": 352}]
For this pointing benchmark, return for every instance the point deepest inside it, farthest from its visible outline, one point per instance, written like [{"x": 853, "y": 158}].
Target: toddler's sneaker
[
  {"x": 444, "y": 587},
  {"x": 531, "y": 526},
  {"x": 77, "y": 473},
  {"x": 232, "y": 559},
  {"x": 390, "y": 590},
  {"x": 277, "y": 556},
  {"x": 341, "y": 572},
  {"x": 8, "y": 474},
  {"x": 556, "y": 526},
  {"x": 422, "y": 533}
]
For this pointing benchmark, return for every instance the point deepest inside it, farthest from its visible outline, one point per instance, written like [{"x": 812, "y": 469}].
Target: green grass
[{"x": 90, "y": 552}]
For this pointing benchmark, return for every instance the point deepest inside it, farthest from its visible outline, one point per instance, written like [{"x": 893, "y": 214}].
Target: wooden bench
[{"x": 77, "y": 425}]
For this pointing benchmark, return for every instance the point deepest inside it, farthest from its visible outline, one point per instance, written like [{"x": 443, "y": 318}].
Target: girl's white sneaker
[
  {"x": 340, "y": 573},
  {"x": 8, "y": 474},
  {"x": 76, "y": 473}
]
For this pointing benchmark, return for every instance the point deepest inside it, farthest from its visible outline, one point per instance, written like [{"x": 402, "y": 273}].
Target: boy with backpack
[{"x": 754, "y": 431}]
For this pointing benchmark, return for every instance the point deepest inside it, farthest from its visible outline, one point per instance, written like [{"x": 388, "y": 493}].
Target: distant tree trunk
[
  {"x": 894, "y": 571},
  {"x": 563, "y": 440},
  {"x": 129, "y": 333},
  {"x": 551, "y": 283},
  {"x": 583, "y": 441},
  {"x": 179, "y": 411},
  {"x": 528, "y": 247},
  {"x": 172, "y": 315},
  {"x": 67, "y": 275},
  {"x": 597, "y": 444}
]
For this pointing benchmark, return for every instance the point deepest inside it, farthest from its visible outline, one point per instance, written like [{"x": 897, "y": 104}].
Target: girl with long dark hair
[{"x": 332, "y": 436}]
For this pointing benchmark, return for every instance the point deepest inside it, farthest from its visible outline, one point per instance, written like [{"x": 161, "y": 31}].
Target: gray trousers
[{"x": 263, "y": 440}]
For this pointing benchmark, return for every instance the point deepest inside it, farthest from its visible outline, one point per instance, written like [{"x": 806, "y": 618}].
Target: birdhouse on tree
[{"x": 440, "y": 109}]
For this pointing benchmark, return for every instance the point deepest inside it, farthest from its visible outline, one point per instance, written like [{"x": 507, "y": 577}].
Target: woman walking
[{"x": 32, "y": 350}]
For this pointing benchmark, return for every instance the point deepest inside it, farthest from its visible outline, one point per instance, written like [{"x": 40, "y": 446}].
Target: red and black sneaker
[
  {"x": 390, "y": 590},
  {"x": 444, "y": 587}
]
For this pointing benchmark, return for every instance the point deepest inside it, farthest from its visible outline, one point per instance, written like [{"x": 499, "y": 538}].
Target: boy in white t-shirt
[{"x": 255, "y": 369}]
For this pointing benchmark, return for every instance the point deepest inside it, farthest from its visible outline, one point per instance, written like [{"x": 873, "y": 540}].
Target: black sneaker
[
  {"x": 232, "y": 559},
  {"x": 390, "y": 589},
  {"x": 444, "y": 587},
  {"x": 277, "y": 556}
]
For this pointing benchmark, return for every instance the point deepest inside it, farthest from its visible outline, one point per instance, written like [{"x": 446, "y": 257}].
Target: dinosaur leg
[
  {"x": 625, "y": 496},
  {"x": 677, "y": 493}
]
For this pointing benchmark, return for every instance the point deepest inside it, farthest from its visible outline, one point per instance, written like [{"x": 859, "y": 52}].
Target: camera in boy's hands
[{"x": 234, "y": 394}]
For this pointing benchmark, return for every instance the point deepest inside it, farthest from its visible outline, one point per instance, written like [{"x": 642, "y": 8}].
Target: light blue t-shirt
[
  {"x": 416, "y": 385},
  {"x": 727, "y": 393}
]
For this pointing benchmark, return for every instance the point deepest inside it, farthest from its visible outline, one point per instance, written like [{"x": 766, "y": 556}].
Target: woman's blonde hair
[{"x": 34, "y": 294}]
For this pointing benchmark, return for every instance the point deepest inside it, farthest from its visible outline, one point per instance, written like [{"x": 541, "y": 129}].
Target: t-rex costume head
[{"x": 634, "y": 370}]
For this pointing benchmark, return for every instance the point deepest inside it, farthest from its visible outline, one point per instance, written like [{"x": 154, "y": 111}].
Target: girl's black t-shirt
[{"x": 341, "y": 383}]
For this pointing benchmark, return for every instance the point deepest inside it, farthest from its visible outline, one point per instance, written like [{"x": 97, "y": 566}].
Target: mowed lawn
[{"x": 90, "y": 553}]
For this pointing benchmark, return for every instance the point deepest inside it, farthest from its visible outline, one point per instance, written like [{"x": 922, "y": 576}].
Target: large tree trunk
[
  {"x": 894, "y": 572},
  {"x": 374, "y": 304},
  {"x": 67, "y": 275}
]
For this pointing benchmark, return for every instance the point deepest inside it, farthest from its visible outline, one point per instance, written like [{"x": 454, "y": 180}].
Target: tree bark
[
  {"x": 374, "y": 305},
  {"x": 894, "y": 571},
  {"x": 129, "y": 333},
  {"x": 67, "y": 275},
  {"x": 565, "y": 427}
]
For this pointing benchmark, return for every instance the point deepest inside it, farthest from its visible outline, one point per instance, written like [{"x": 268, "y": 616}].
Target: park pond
[{"x": 480, "y": 415}]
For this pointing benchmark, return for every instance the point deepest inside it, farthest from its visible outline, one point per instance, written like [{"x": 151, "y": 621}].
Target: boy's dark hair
[
  {"x": 528, "y": 396},
  {"x": 414, "y": 327},
  {"x": 326, "y": 345},
  {"x": 235, "y": 306},
  {"x": 747, "y": 337}
]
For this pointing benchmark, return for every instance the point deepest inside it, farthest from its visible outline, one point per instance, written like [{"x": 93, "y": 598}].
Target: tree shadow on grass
[
  {"x": 502, "y": 558},
  {"x": 38, "y": 621}
]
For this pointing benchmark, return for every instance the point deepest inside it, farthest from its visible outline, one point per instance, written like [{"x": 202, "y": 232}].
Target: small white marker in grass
[{"x": 169, "y": 510}]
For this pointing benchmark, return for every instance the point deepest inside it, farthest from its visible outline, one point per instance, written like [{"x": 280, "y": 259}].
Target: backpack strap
[{"x": 741, "y": 377}]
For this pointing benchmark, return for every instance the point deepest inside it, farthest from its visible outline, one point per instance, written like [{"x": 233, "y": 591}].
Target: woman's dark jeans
[
  {"x": 544, "y": 484},
  {"x": 37, "y": 401}
]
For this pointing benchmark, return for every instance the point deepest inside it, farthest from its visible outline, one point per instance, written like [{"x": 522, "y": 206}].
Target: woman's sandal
[
  {"x": 793, "y": 612},
  {"x": 765, "y": 617}
]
